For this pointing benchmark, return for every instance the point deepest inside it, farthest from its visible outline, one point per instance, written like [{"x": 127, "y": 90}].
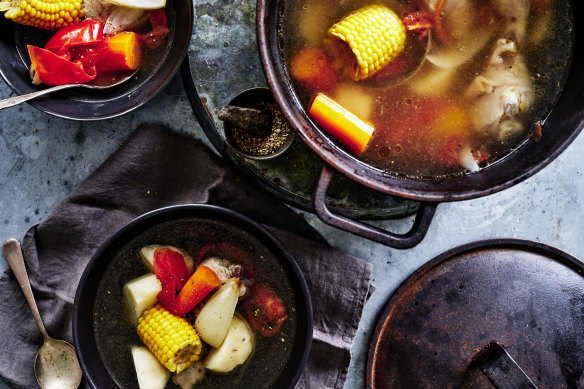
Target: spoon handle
[
  {"x": 12, "y": 101},
  {"x": 13, "y": 253}
]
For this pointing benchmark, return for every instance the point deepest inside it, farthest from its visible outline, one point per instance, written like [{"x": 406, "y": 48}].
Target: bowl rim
[
  {"x": 122, "y": 103},
  {"x": 95, "y": 372}
]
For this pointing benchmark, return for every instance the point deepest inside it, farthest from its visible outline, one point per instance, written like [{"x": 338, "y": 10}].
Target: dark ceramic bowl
[
  {"x": 85, "y": 104},
  {"x": 103, "y": 337}
]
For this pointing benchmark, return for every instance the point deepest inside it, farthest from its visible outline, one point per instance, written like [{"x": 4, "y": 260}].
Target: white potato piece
[
  {"x": 139, "y": 4},
  {"x": 215, "y": 317},
  {"x": 140, "y": 294},
  {"x": 433, "y": 81},
  {"x": 355, "y": 99},
  {"x": 151, "y": 374},
  {"x": 147, "y": 254},
  {"x": 235, "y": 349}
]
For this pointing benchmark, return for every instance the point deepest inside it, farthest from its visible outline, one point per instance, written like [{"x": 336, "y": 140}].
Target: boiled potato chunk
[
  {"x": 147, "y": 254},
  {"x": 235, "y": 349},
  {"x": 140, "y": 294},
  {"x": 151, "y": 374}
]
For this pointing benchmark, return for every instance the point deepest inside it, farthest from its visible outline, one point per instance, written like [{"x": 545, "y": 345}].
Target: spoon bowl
[
  {"x": 12, "y": 101},
  {"x": 56, "y": 364}
]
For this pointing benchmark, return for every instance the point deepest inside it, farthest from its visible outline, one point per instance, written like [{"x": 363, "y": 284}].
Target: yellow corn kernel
[
  {"x": 40, "y": 13},
  {"x": 375, "y": 34},
  {"x": 172, "y": 339}
]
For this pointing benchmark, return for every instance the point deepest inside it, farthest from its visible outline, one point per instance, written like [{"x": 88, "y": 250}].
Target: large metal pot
[{"x": 560, "y": 128}]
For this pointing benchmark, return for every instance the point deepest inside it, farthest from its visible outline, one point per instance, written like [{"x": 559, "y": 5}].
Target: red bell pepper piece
[
  {"x": 170, "y": 265},
  {"x": 52, "y": 69},
  {"x": 157, "y": 36},
  {"x": 167, "y": 296},
  {"x": 83, "y": 33},
  {"x": 89, "y": 55}
]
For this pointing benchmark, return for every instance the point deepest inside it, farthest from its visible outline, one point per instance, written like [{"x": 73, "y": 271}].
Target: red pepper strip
[
  {"x": 157, "y": 36},
  {"x": 89, "y": 55},
  {"x": 52, "y": 69},
  {"x": 227, "y": 251},
  {"x": 342, "y": 124},
  {"x": 158, "y": 18},
  {"x": 170, "y": 265},
  {"x": 167, "y": 296},
  {"x": 83, "y": 33},
  {"x": 201, "y": 283}
]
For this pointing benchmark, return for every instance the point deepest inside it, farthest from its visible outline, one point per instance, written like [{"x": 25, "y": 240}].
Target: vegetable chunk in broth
[{"x": 427, "y": 88}]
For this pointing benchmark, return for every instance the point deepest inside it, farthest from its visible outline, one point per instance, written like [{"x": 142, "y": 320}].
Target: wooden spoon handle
[{"x": 13, "y": 253}]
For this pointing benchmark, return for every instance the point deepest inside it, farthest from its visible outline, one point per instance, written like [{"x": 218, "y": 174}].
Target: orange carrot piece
[
  {"x": 123, "y": 52},
  {"x": 342, "y": 124},
  {"x": 203, "y": 281}
]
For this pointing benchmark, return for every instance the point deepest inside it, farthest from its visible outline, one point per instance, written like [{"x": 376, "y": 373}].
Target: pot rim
[{"x": 528, "y": 158}]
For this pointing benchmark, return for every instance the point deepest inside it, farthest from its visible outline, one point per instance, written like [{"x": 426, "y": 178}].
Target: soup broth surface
[
  {"x": 468, "y": 101},
  {"x": 115, "y": 335}
]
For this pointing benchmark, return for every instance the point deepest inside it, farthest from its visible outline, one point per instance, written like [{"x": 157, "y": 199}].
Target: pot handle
[{"x": 408, "y": 240}]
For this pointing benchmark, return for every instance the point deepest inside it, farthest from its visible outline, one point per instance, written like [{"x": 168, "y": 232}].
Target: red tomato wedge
[{"x": 265, "y": 310}]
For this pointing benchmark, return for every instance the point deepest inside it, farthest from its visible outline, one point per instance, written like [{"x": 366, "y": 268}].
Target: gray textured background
[{"x": 42, "y": 158}]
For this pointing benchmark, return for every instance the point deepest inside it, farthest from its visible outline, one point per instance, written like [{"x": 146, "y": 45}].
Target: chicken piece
[
  {"x": 226, "y": 269},
  {"x": 502, "y": 92},
  {"x": 189, "y": 377},
  {"x": 515, "y": 14}
]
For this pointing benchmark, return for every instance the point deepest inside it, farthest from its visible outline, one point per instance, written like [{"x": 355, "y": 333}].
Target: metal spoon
[
  {"x": 12, "y": 101},
  {"x": 56, "y": 364}
]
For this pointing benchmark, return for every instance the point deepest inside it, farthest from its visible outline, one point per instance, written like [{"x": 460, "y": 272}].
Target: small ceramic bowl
[
  {"x": 85, "y": 104},
  {"x": 251, "y": 98},
  {"x": 103, "y": 337}
]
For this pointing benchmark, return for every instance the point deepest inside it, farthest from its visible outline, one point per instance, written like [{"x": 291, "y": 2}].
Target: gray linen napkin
[{"x": 154, "y": 168}]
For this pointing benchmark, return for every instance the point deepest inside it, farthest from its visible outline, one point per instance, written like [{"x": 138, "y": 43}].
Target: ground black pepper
[{"x": 263, "y": 146}]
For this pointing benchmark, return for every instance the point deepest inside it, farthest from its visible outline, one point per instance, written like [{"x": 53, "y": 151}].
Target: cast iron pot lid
[{"x": 526, "y": 296}]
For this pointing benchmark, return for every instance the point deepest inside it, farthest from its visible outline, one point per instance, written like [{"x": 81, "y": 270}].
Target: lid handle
[{"x": 502, "y": 370}]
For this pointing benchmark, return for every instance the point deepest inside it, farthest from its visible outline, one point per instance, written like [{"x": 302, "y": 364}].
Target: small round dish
[
  {"x": 83, "y": 104},
  {"x": 103, "y": 337},
  {"x": 252, "y": 98}
]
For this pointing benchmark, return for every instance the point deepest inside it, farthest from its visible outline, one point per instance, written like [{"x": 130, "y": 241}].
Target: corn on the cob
[
  {"x": 375, "y": 34},
  {"x": 172, "y": 339},
  {"x": 47, "y": 14}
]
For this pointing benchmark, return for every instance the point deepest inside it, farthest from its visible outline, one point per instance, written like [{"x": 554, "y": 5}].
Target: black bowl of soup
[
  {"x": 105, "y": 336},
  {"x": 156, "y": 68},
  {"x": 495, "y": 97}
]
